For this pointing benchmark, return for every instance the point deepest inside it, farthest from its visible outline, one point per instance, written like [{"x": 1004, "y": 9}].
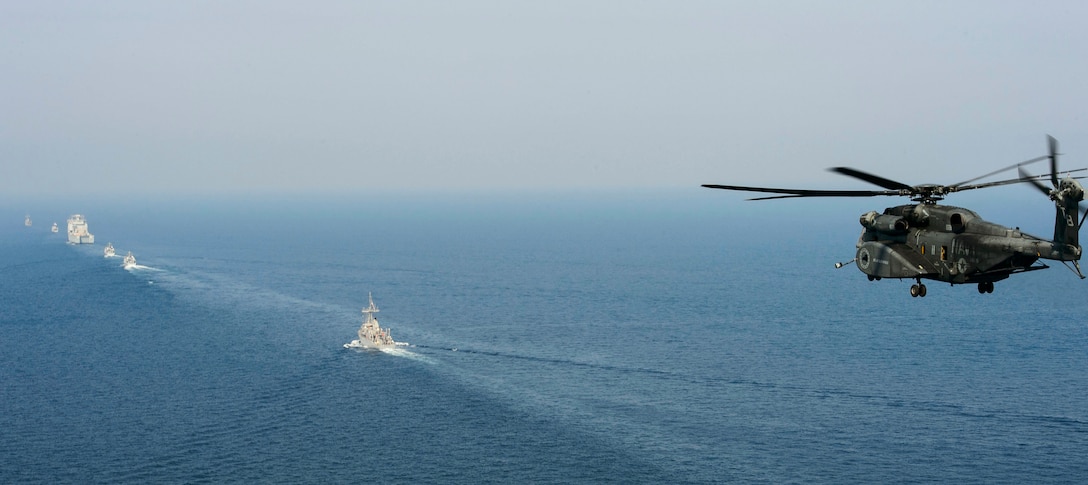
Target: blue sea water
[{"x": 642, "y": 337}]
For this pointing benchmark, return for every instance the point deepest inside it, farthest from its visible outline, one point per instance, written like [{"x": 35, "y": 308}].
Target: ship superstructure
[{"x": 77, "y": 231}]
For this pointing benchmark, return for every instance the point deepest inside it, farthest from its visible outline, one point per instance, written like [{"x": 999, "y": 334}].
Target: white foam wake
[
  {"x": 408, "y": 354},
  {"x": 141, "y": 267}
]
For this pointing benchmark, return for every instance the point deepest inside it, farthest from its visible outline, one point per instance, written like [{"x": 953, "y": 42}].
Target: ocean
[{"x": 569, "y": 337}]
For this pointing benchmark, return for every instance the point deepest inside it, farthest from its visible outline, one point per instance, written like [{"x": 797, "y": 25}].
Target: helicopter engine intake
[{"x": 884, "y": 223}]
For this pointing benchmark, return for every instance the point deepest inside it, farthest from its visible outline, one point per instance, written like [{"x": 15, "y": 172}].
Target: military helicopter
[{"x": 926, "y": 240}]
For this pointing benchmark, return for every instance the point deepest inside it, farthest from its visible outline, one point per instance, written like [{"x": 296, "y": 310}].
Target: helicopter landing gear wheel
[
  {"x": 918, "y": 290},
  {"x": 986, "y": 287}
]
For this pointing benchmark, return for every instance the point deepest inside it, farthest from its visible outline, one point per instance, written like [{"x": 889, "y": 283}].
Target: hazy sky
[{"x": 115, "y": 96}]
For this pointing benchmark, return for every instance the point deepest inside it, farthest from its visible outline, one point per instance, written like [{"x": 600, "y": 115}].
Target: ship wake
[
  {"x": 398, "y": 351},
  {"x": 401, "y": 351},
  {"x": 141, "y": 267}
]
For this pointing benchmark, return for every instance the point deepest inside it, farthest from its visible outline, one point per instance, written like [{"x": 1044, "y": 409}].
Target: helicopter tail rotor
[{"x": 1052, "y": 144}]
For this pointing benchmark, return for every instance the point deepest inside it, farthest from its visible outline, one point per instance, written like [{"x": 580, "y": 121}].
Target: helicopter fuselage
[{"x": 949, "y": 244}]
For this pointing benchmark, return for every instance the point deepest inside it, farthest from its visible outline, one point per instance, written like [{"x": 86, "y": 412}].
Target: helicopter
[{"x": 926, "y": 240}]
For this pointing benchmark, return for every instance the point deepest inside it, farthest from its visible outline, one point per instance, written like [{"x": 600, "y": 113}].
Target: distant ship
[
  {"x": 28, "y": 222},
  {"x": 371, "y": 335},
  {"x": 109, "y": 252},
  {"x": 130, "y": 260},
  {"x": 77, "y": 231},
  {"x": 54, "y": 229}
]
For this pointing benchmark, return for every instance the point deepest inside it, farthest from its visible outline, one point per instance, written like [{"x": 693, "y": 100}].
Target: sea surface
[{"x": 622, "y": 337}]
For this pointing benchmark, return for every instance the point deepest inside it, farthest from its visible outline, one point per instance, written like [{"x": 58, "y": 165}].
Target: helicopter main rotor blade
[
  {"x": 792, "y": 193},
  {"x": 1024, "y": 177},
  {"x": 995, "y": 172},
  {"x": 873, "y": 179}
]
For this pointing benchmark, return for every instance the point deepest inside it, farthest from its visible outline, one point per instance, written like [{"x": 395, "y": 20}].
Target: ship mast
[{"x": 370, "y": 310}]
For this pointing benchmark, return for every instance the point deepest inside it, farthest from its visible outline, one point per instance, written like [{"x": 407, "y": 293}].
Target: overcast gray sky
[{"x": 116, "y": 96}]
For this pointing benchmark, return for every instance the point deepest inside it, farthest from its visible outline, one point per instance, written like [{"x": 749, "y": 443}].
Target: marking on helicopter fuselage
[{"x": 961, "y": 265}]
